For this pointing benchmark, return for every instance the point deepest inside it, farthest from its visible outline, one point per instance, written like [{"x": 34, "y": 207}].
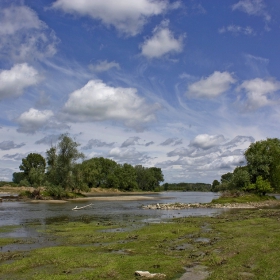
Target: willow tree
[{"x": 61, "y": 161}]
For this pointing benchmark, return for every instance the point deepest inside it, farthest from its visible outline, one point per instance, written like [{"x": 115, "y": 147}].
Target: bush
[
  {"x": 24, "y": 183},
  {"x": 55, "y": 191}
]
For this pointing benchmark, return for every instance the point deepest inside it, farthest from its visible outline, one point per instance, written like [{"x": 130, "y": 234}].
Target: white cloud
[
  {"x": 97, "y": 101},
  {"x": 33, "y": 120},
  {"x": 24, "y": 36},
  {"x": 161, "y": 43},
  {"x": 103, "y": 66},
  {"x": 252, "y": 7},
  {"x": 212, "y": 86},
  {"x": 130, "y": 155},
  {"x": 258, "y": 92},
  {"x": 14, "y": 81},
  {"x": 127, "y": 16},
  {"x": 205, "y": 141},
  {"x": 207, "y": 156},
  {"x": 236, "y": 29}
]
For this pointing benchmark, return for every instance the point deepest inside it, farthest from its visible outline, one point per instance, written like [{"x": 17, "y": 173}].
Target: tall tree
[
  {"x": 33, "y": 167},
  {"x": 61, "y": 162},
  {"x": 263, "y": 159}
]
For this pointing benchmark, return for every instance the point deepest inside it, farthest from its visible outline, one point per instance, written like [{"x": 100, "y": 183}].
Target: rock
[{"x": 148, "y": 275}]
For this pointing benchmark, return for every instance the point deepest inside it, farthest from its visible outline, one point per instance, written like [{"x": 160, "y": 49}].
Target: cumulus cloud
[
  {"x": 205, "y": 141},
  {"x": 24, "y": 36},
  {"x": 33, "y": 120},
  {"x": 212, "y": 86},
  {"x": 209, "y": 154},
  {"x": 162, "y": 42},
  {"x": 126, "y": 16},
  {"x": 96, "y": 143},
  {"x": 14, "y": 81},
  {"x": 103, "y": 66},
  {"x": 171, "y": 141},
  {"x": 236, "y": 29},
  {"x": 97, "y": 101},
  {"x": 252, "y": 7},
  {"x": 131, "y": 141},
  {"x": 130, "y": 155},
  {"x": 259, "y": 92},
  {"x": 8, "y": 145}
]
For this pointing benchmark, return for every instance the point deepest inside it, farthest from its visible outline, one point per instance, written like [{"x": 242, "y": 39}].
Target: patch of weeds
[{"x": 241, "y": 198}]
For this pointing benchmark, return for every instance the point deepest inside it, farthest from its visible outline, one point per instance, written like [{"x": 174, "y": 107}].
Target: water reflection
[{"x": 19, "y": 213}]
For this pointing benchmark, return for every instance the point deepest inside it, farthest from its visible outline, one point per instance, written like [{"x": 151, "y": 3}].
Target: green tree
[
  {"x": 126, "y": 175},
  {"x": 18, "y": 176},
  {"x": 61, "y": 162},
  {"x": 240, "y": 178},
  {"x": 215, "y": 185},
  {"x": 263, "y": 159},
  {"x": 261, "y": 186},
  {"x": 33, "y": 167}
]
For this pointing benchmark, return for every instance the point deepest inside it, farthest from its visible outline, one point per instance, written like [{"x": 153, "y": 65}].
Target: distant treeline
[{"x": 194, "y": 187}]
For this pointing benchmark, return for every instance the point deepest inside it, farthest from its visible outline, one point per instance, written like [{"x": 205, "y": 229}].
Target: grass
[
  {"x": 241, "y": 244},
  {"x": 241, "y": 198}
]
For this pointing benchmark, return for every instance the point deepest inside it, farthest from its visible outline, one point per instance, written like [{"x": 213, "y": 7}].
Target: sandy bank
[
  {"x": 114, "y": 198},
  {"x": 47, "y": 201}
]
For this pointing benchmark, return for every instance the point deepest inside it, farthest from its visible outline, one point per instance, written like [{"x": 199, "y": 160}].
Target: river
[{"x": 21, "y": 213}]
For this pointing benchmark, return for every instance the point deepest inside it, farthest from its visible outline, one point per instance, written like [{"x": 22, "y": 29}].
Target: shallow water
[
  {"x": 128, "y": 214},
  {"x": 20, "y": 213}
]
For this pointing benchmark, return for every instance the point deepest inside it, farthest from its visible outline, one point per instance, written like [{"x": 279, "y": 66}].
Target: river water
[{"x": 22, "y": 213}]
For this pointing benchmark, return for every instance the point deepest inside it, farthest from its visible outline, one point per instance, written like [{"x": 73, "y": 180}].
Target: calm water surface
[{"x": 21, "y": 213}]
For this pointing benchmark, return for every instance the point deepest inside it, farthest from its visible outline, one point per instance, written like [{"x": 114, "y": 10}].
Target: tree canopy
[
  {"x": 66, "y": 169},
  {"x": 262, "y": 172}
]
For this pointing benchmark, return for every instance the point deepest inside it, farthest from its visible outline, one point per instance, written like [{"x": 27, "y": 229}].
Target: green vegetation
[
  {"x": 235, "y": 245},
  {"x": 64, "y": 170},
  {"x": 261, "y": 175},
  {"x": 241, "y": 197},
  {"x": 191, "y": 187}
]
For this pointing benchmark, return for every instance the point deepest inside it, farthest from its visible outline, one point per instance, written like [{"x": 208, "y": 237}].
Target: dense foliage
[
  {"x": 195, "y": 187},
  {"x": 65, "y": 169},
  {"x": 261, "y": 174}
]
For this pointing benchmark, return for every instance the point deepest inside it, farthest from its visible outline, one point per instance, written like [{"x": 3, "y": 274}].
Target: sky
[{"x": 185, "y": 86}]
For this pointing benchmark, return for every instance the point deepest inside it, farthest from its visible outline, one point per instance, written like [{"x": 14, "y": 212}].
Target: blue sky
[{"x": 182, "y": 85}]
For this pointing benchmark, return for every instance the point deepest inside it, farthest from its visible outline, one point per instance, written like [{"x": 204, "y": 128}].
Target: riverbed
[{"x": 109, "y": 207}]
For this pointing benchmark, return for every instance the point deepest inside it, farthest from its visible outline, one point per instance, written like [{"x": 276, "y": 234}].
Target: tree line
[
  {"x": 261, "y": 174},
  {"x": 65, "y": 168},
  {"x": 187, "y": 187}
]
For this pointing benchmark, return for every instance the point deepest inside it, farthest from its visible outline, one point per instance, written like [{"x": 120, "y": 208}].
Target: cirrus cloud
[{"x": 23, "y": 36}]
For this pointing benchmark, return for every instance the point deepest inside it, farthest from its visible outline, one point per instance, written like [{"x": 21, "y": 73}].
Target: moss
[{"x": 232, "y": 245}]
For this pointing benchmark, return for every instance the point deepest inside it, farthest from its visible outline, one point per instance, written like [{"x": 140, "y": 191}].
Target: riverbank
[
  {"x": 239, "y": 244},
  {"x": 13, "y": 193},
  {"x": 247, "y": 205}
]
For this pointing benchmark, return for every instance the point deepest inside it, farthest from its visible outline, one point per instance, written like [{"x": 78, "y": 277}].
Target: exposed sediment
[{"x": 178, "y": 206}]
